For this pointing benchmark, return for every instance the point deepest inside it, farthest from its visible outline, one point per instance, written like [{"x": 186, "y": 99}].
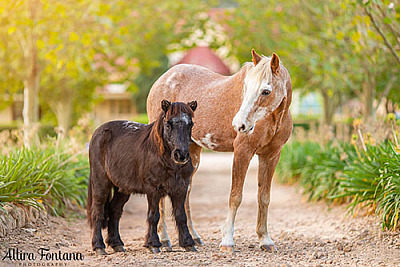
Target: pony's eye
[
  {"x": 266, "y": 92},
  {"x": 168, "y": 125}
]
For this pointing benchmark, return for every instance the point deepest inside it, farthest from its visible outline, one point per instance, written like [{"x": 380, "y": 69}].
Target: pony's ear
[
  {"x": 165, "y": 104},
  {"x": 255, "y": 57},
  {"x": 275, "y": 63},
  {"x": 193, "y": 105}
]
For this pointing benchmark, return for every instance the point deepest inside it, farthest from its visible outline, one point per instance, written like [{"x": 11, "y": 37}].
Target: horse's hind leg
[
  {"x": 266, "y": 170},
  {"x": 115, "y": 211},
  {"x": 162, "y": 227},
  {"x": 195, "y": 151}
]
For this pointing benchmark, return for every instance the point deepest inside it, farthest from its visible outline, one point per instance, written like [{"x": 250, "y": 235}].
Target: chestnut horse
[
  {"x": 128, "y": 157},
  {"x": 255, "y": 101}
]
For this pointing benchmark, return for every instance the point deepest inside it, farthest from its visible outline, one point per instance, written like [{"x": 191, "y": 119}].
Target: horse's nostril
[{"x": 241, "y": 128}]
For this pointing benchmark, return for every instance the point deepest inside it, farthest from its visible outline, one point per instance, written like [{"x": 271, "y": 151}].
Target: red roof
[{"x": 205, "y": 57}]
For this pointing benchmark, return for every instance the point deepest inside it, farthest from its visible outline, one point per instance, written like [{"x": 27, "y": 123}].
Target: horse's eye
[
  {"x": 266, "y": 92},
  {"x": 168, "y": 125}
]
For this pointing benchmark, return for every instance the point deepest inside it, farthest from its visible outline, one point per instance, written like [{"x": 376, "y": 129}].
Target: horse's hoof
[
  {"x": 119, "y": 249},
  {"x": 198, "y": 241},
  {"x": 155, "y": 250},
  {"x": 100, "y": 251},
  {"x": 228, "y": 249},
  {"x": 166, "y": 245},
  {"x": 268, "y": 248},
  {"x": 191, "y": 249}
]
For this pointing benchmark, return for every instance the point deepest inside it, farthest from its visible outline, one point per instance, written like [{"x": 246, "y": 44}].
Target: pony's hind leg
[
  {"x": 115, "y": 211},
  {"x": 100, "y": 193},
  {"x": 241, "y": 160},
  {"x": 153, "y": 216},
  {"x": 195, "y": 151},
  {"x": 266, "y": 170}
]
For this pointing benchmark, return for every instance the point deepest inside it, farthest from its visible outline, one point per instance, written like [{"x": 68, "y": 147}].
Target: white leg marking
[{"x": 228, "y": 229}]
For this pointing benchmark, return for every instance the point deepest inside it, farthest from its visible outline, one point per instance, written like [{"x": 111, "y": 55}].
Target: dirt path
[{"x": 305, "y": 234}]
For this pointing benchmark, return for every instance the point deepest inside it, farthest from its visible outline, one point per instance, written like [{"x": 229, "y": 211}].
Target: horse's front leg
[
  {"x": 153, "y": 216},
  {"x": 241, "y": 160},
  {"x": 195, "y": 151},
  {"x": 266, "y": 170}
]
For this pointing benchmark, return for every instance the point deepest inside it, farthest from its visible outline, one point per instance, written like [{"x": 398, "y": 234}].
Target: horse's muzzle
[{"x": 244, "y": 129}]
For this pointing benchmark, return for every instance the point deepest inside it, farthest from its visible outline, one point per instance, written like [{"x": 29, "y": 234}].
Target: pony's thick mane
[{"x": 175, "y": 110}]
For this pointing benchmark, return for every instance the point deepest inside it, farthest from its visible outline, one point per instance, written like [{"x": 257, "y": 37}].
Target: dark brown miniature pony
[{"x": 132, "y": 158}]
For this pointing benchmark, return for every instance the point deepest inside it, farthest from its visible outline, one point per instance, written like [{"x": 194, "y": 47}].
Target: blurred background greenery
[{"x": 67, "y": 66}]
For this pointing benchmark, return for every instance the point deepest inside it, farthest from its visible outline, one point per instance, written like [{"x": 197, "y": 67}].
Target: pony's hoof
[
  {"x": 268, "y": 248},
  {"x": 191, "y": 249},
  {"x": 198, "y": 241},
  {"x": 228, "y": 249},
  {"x": 119, "y": 249},
  {"x": 166, "y": 245},
  {"x": 155, "y": 250},
  {"x": 100, "y": 251}
]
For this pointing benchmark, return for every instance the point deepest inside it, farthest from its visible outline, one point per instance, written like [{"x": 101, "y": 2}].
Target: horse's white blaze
[{"x": 257, "y": 79}]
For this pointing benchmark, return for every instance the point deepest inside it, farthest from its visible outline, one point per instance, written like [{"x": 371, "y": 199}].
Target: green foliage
[
  {"x": 342, "y": 173},
  {"x": 294, "y": 157},
  {"x": 44, "y": 178}
]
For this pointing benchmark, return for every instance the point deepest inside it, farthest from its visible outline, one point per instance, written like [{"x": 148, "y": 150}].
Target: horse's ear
[
  {"x": 255, "y": 57},
  {"x": 275, "y": 63},
  {"x": 165, "y": 104},
  {"x": 193, "y": 105}
]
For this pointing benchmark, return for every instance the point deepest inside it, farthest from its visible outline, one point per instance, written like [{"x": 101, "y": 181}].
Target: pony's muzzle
[{"x": 180, "y": 157}]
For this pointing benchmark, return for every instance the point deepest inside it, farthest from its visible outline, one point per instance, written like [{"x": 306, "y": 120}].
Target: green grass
[
  {"x": 44, "y": 178},
  {"x": 344, "y": 174}
]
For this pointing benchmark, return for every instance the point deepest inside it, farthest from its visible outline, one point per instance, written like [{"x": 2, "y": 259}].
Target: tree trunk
[
  {"x": 63, "y": 108},
  {"x": 63, "y": 112},
  {"x": 329, "y": 107},
  {"x": 31, "y": 83},
  {"x": 369, "y": 92}
]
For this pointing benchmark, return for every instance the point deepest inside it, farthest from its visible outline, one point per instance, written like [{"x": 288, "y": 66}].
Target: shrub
[{"x": 43, "y": 178}]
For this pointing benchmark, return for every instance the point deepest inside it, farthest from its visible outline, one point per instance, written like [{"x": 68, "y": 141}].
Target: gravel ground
[{"x": 305, "y": 234}]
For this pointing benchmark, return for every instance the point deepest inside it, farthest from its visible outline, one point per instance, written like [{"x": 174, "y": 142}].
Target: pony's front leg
[
  {"x": 153, "y": 216},
  {"x": 178, "y": 207},
  {"x": 266, "y": 170},
  {"x": 241, "y": 160}
]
